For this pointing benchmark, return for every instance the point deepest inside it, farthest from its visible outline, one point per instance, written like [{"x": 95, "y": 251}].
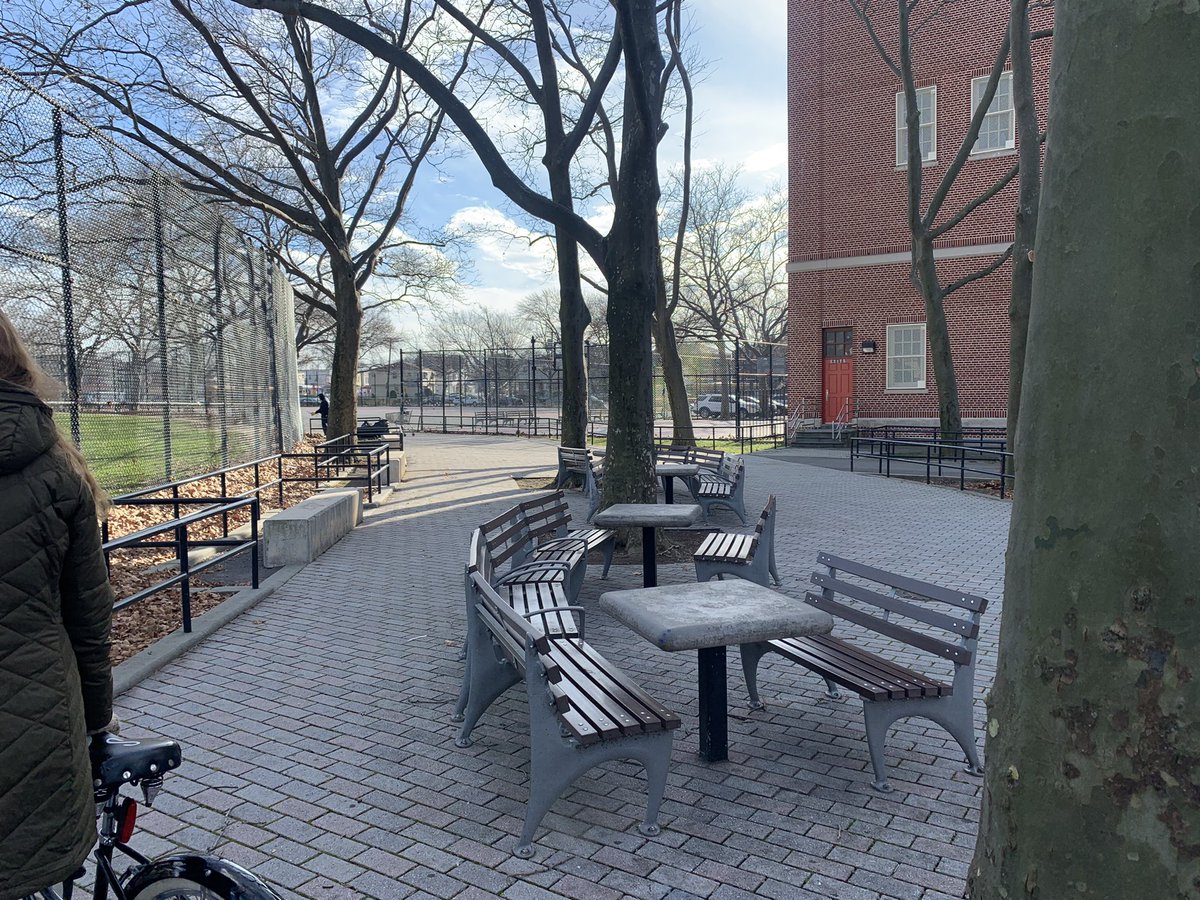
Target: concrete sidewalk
[{"x": 318, "y": 747}]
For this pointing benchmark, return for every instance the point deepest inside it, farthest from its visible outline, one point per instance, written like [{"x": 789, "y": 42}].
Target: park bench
[
  {"x": 706, "y": 458},
  {"x": 583, "y": 711},
  {"x": 506, "y": 540},
  {"x": 572, "y": 461},
  {"x": 547, "y": 519},
  {"x": 674, "y": 453},
  {"x": 889, "y": 691},
  {"x": 749, "y": 556},
  {"x": 725, "y": 487}
]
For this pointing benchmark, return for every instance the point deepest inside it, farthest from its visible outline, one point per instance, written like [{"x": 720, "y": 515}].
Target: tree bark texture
[
  {"x": 1029, "y": 192},
  {"x": 938, "y": 329},
  {"x": 1093, "y": 751},
  {"x": 631, "y": 256},
  {"x": 574, "y": 319},
  {"x": 343, "y": 383},
  {"x": 682, "y": 433}
]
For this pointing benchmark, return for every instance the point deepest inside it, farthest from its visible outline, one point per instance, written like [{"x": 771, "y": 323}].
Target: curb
[{"x": 138, "y": 668}]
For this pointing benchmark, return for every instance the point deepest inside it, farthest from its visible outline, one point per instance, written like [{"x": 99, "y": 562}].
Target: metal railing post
[
  {"x": 185, "y": 586},
  {"x": 254, "y": 514}
]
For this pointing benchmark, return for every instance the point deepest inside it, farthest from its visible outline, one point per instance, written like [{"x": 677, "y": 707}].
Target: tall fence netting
[{"x": 170, "y": 336}]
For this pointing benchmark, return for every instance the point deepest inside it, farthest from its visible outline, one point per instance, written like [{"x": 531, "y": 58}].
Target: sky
[{"x": 741, "y": 119}]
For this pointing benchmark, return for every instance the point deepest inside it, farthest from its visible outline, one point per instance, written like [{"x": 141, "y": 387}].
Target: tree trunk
[
  {"x": 1028, "y": 195},
  {"x": 672, "y": 368},
  {"x": 631, "y": 264},
  {"x": 1093, "y": 778},
  {"x": 343, "y": 385},
  {"x": 574, "y": 319},
  {"x": 938, "y": 332}
]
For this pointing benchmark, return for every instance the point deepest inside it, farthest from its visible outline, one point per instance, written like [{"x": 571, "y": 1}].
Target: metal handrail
[
  {"x": 183, "y": 544},
  {"x": 884, "y": 451}
]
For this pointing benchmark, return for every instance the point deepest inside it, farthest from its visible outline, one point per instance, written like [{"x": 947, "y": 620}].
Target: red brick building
[{"x": 857, "y": 341}]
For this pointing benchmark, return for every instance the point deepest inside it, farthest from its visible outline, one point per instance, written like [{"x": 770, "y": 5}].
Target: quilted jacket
[{"x": 55, "y": 679}]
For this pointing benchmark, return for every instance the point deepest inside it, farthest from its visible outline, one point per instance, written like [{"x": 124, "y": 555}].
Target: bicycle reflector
[{"x": 128, "y": 816}]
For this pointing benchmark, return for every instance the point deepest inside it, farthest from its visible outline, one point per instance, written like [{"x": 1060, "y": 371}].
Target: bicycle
[{"x": 116, "y": 762}]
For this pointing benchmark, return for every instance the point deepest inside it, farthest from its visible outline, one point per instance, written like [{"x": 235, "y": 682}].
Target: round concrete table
[
  {"x": 669, "y": 471},
  {"x": 648, "y": 517},
  {"x": 707, "y": 617}
]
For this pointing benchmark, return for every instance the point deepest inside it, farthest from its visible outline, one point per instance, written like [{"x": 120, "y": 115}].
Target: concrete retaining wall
[{"x": 303, "y": 532}]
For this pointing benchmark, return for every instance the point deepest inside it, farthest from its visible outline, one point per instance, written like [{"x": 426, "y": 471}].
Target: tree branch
[{"x": 982, "y": 273}]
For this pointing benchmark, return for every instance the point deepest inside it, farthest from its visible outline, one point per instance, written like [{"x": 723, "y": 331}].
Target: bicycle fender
[{"x": 226, "y": 879}]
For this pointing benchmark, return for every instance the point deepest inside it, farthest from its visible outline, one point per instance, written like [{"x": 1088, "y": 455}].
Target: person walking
[
  {"x": 55, "y": 617},
  {"x": 323, "y": 412}
]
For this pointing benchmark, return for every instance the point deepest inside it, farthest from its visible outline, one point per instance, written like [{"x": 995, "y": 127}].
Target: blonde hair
[{"x": 17, "y": 366}]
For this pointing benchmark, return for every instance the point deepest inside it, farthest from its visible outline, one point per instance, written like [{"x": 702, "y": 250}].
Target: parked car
[
  {"x": 708, "y": 406},
  {"x": 309, "y": 401},
  {"x": 470, "y": 400}
]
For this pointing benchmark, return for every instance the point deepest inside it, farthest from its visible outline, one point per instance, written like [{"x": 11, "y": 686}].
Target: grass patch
[{"x": 125, "y": 450}]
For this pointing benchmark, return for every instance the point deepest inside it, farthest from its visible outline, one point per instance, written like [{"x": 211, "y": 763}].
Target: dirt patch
[
  {"x": 130, "y": 571},
  {"x": 535, "y": 483},
  {"x": 991, "y": 488},
  {"x": 675, "y": 545}
]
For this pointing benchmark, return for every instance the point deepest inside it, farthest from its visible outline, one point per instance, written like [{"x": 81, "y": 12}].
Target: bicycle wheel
[{"x": 195, "y": 878}]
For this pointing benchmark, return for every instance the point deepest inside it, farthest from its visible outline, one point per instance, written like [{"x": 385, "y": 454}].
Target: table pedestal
[
  {"x": 649, "y": 559},
  {"x": 714, "y": 710},
  {"x": 669, "y": 488}
]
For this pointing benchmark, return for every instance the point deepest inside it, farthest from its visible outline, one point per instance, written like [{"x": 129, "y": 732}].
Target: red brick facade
[{"x": 849, "y": 200}]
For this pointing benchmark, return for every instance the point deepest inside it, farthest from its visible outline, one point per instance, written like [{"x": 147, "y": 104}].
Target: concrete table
[
  {"x": 709, "y": 616},
  {"x": 648, "y": 517},
  {"x": 670, "y": 471}
]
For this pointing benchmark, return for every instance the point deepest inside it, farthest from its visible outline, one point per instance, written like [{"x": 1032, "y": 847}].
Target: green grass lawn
[{"x": 125, "y": 450}]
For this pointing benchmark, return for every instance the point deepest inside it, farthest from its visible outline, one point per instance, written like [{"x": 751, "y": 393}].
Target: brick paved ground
[{"x": 319, "y": 749}]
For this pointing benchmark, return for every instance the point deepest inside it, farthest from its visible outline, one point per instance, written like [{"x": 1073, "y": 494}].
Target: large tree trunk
[
  {"x": 672, "y": 369},
  {"x": 1093, "y": 754},
  {"x": 1028, "y": 195},
  {"x": 574, "y": 319},
  {"x": 343, "y": 387},
  {"x": 938, "y": 333},
  {"x": 631, "y": 263}
]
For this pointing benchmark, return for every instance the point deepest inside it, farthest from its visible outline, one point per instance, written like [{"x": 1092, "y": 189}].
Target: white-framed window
[
  {"x": 906, "y": 357},
  {"x": 927, "y": 107},
  {"x": 999, "y": 129}
]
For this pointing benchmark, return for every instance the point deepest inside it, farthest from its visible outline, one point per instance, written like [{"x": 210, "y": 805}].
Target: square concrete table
[
  {"x": 648, "y": 517},
  {"x": 708, "y": 616},
  {"x": 669, "y": 472}
]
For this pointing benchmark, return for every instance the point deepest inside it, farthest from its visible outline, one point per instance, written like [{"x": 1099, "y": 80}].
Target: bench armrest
[
  {"x": 541, "y": 565},
  {"x": 555, "y": 610}
]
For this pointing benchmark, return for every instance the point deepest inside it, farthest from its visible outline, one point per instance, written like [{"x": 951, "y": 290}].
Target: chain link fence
[{"x": 172, "y": 337}]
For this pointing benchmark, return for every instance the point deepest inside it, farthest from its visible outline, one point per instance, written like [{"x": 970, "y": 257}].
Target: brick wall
[{"x": 849, "y": 199}]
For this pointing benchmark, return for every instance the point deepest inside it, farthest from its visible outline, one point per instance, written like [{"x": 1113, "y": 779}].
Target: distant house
[{"x": 856, "y": 330}]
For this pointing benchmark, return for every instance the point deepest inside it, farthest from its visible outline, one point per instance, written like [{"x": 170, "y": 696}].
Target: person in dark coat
[
  {"x": 55, "y": 616},
  {"x": 323, "y": 412}
]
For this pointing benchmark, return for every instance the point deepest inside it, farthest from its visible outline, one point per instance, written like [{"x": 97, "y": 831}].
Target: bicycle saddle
[{"x": 118, "y": 760}]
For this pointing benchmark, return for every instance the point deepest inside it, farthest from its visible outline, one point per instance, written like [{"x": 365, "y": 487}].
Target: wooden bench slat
[
  {"x": 940, "y": 648},
  {"x": 629, "y": 715},
  {"x": 584, "y": 706},
  {"x": 631, "y": 703},
  {"x": 886, "y": 667},
  {"x": 669, "y": 719},
  {"x": 904, "y": 583},
  {"x": 895, "y": 604},
  {"x": 850, "y": 671},
  {"x": 528, "y": 598}
]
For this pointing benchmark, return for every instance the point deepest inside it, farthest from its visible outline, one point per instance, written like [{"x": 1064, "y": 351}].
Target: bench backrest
[
  {"x": 507, "y": 535},
  {"x": 546, "y": 516},
  {"x": 765, "y": 529},
  {"x": 707, "y": 458},
  {"x": 965, "y": 628},
  {"x": 516, "y": 638},
  {"x": 672, "y": 454},
  {"x": 574, "y": 457}
]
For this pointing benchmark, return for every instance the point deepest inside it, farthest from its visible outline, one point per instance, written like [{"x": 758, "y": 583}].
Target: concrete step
[{"x": 821, "y": 437}]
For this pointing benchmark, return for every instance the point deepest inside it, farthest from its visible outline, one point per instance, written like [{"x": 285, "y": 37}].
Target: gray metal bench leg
[
  {"x": 610, "y": 547},
  {"x": 831, "y": 690},
  {"x": 878, "y": 717},
  {"x": 751, "y": 654},
  {"x": 771, "y": 567},
  {"x": 464, "y": 691},
  {"x": 489, "y": 679},
  {"x": 958, "y": 720}
]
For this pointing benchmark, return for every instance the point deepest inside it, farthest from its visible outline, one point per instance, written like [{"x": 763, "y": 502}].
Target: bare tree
[
  {"x": 241, "y": 105},
  {"x": 927, "y": 222},
  {"x": 1092, "y": 785},
  {"x": 627, "y": 256}
]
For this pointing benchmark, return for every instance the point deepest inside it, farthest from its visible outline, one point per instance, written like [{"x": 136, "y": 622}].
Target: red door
[{"x": 838, "y": 372}]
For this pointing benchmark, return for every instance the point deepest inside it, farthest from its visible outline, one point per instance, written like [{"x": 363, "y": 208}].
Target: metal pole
[
  {"x": 737, "y": 389},
  {"x": 421, "y": 389},
  {"x": 443, "y": 391},
  {"x": 268, "y": 305},
  {"x": 161, "y": 279},
  {"x": 219, "y": 313},
  {"x": 587, "y": 379},
  {"x": 387, "y": 385},
  {"x": 70, "y": 341},
  {"x": 532, "y": 379}
]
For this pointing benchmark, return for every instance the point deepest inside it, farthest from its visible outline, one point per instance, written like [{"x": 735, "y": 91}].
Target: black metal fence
[
  {"x": 172, "y": 337},
  {"x": 496, "y": 380}
]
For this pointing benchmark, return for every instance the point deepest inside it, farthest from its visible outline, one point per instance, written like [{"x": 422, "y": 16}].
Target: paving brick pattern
[{"x": 319, "y": 749}]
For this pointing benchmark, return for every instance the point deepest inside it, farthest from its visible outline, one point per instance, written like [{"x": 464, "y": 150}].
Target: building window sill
[{"x": 994, "y": 154}]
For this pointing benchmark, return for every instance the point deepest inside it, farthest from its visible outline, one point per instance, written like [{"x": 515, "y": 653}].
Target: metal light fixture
[{"x": 868, "y": 346}]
